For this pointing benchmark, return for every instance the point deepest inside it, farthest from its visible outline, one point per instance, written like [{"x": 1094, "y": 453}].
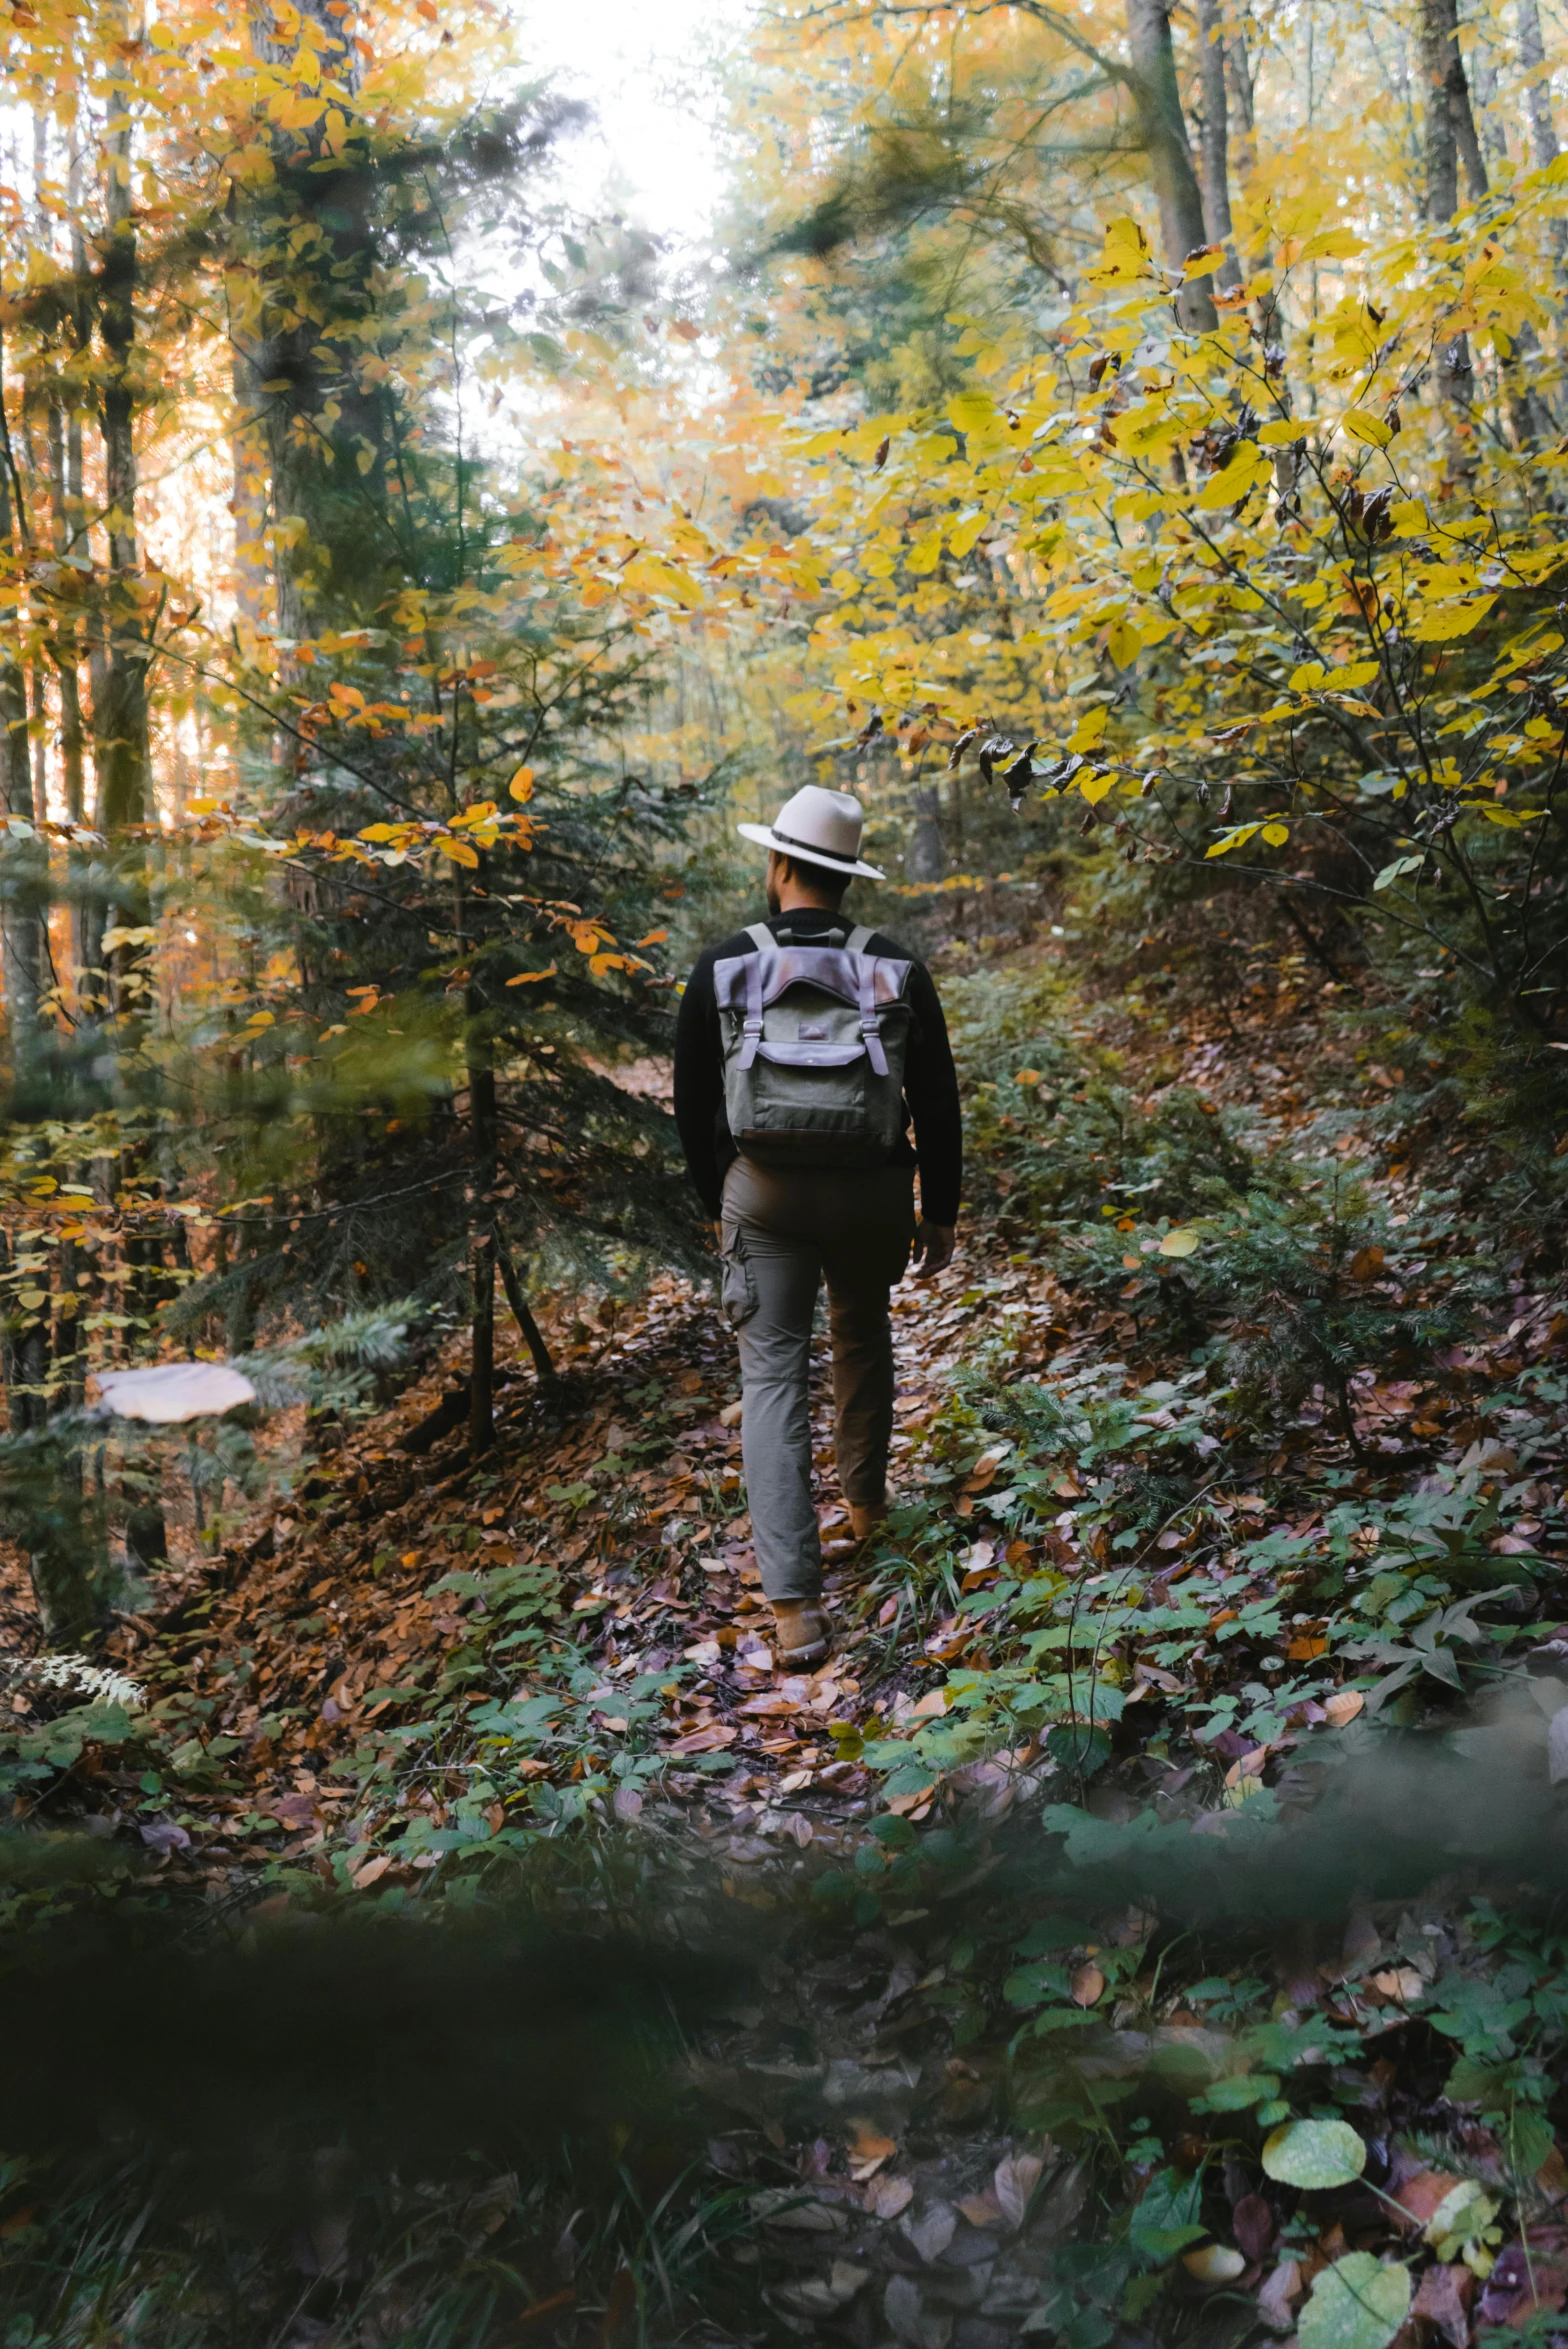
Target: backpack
[{"x": 815, "y": 1036}]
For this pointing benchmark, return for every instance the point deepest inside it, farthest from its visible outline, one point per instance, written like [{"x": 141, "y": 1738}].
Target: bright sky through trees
[{"x": 646, "y": 72}]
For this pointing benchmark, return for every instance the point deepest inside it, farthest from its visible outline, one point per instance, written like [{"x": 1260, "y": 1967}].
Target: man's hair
[{"x": 821, "y": 878}]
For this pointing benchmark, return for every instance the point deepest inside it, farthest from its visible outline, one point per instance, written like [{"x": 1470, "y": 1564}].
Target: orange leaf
[
  {"x": 654, "y": 938},
  {"x": 532, "y": 978}
]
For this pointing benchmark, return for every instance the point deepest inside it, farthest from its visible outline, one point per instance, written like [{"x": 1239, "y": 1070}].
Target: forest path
[{"x": 305, "y": 1656}]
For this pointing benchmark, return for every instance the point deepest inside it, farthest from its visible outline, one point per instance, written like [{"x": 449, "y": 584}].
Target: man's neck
[{"x": 792, "y": 901}]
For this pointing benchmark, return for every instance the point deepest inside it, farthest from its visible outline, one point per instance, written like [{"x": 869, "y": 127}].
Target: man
[{"x": 824, "y": 1042}]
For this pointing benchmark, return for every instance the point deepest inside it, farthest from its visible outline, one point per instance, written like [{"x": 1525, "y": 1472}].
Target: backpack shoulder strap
[
  {"x": 858, "y": 940},
  {"x": 761, "y": 935}
]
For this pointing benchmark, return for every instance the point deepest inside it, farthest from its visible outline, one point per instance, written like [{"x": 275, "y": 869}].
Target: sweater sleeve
[
  {"x": 931, "y": 1089},
  {"x": 699, "y": 1085}
]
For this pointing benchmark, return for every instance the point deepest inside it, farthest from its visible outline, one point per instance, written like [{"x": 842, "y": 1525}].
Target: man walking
[{"x": 804, "y": 1048}]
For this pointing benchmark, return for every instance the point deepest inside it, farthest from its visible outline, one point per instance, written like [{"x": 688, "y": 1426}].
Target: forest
[{"x": 1124, "y": 444}]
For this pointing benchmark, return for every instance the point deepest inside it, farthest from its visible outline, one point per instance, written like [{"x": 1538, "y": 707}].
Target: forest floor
[{"x": 969, "y": 2092}]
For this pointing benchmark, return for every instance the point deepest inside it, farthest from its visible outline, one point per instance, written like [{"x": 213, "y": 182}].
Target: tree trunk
[
  {"x": 1538, "y": 97},
  {"x": 1483, "y": 87},
  {"x": 483, "y": 1125},
  {"x": 1215, "y": 147},
  {"x": 1449, "y": 138},
  {"x": 23, "y": 889},
  {"x": 1450, "y": 125},
  {"x": 1160, "y": 119},
  {"x": 123, "y": 738},
  {"x": 548, "y": 1377},
  {"x": 481, "y": 1381}
]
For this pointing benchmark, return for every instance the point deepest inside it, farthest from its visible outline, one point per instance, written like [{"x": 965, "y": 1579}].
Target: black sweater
[{"x": 930, "y": 1081}]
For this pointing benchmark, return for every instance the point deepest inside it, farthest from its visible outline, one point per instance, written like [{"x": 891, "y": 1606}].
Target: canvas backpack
[{"x": 815, "y": 1034}]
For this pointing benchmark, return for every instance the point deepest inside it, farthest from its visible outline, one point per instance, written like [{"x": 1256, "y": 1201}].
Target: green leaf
[
  {"x": 1357, "y": 2303},
  {"x": 1400, "y": 865},
  {"x": 1314, "y": 2155}
]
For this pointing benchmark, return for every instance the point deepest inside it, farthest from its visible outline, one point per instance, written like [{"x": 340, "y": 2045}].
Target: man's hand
[{"x": 932, "y": 1249}]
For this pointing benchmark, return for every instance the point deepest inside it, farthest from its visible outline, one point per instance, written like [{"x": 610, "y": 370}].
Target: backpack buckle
[{"x": 871, "y": 1030}]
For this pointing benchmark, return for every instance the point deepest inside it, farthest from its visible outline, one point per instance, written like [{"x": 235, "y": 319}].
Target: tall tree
[
  {"x": 1163, "y": 128},
  {"x": 1450, "y": 132},
  {"x": 1538, "y": 96},
  {"x": 1215, "y": 141},
  {"x": 23, "y": 887}
]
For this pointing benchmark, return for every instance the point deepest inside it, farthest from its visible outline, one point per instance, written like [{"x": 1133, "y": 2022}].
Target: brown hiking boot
[
  {"x": 802, "y": 1632},
  {"x": 865, "y": 1521}
]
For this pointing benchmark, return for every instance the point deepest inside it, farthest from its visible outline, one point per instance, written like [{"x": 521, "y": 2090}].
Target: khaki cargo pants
[{"x": 782, "y": 1232}]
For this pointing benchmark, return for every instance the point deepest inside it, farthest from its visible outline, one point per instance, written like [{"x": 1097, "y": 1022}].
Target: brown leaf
[
  {"x": 1253, "y": 2222},
  {"x": 1088, "y": 1985},
  {"x": 885, "y": 2197},
  {"x": 1443, "y": 2298},
  {"x": 1013, "y": 2186},
  {"x": 981, "y": 2210}
]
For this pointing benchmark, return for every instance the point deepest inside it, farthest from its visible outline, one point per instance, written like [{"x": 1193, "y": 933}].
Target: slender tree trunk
[
  {"x": 1538, "y": 95},
  {"x": 1450, "y": 125},
  {"x": 125, "y": 759},
  {"x": 1450, "y": 138},
  {"x": 483, "y": 1125},
  {"x": 1215, "y": 145},
  {"x": 1164, "y": 129},
  {"x": 23, "y": 891},
  {"x": 533, "y": 1335},
  {"x": 1483, "y": 88},
  {"x": 124, "y": 738}
]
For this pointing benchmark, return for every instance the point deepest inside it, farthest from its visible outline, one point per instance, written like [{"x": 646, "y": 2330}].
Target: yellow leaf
[
  {"x": 522, "y": 784},
  {"x": 1124, "y": 644},
  {"x": 1332, "y": 244},
  {"x": 964, "y": 533},
  {"x": 1442, "y": 625},
  {"x": 458, "y": 850},
  {"x": 1180, "y": 1242},
  {"x": 1408, "y": 516},
  {"x": 654, "y": 576},
  {"x": 1276, "y": 834},
  {"x": 1232, "y": 482},
  {"x": 1089, "y": 730},
  {"x": 971, "y": 411},
  {"x": 1125, "y": 255},
  {"x": 1281, "y": 433},
  {"x": 1308, "y": 677},
  {"x": 1371, "y": 431},
  {"x": 1204, "y": 261},
  {"x": 1094, "y": 787},
  {"x": 925, "y": 557},
  {"x": 1235, "y": 839}
]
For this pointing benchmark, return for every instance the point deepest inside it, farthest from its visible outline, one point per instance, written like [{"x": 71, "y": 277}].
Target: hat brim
[{"x": 765, "y": 837}]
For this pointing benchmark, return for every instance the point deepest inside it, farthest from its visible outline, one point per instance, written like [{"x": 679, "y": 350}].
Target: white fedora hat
[{"x": 823, "y": 827}]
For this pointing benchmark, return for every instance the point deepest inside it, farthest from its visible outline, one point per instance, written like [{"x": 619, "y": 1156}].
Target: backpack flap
[{"x": 814, "y": 1048}]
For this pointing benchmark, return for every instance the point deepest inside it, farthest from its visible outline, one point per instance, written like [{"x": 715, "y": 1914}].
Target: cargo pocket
[{"x": 738, "y": 1290}]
